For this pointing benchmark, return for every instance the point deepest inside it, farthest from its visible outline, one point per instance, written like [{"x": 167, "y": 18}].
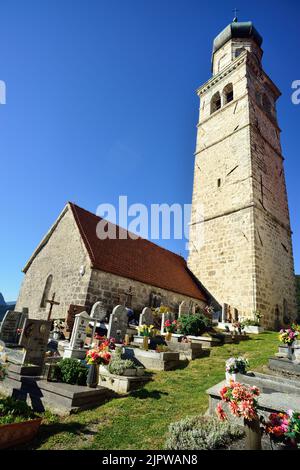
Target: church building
[{"x": 244, "y": 255}]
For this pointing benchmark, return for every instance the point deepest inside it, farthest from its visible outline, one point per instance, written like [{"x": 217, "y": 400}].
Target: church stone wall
[
  {"x": 61, "y": 257},
  {"x": 111, "y": 289}
]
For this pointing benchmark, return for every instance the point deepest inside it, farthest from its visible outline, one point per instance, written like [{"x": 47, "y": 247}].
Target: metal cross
[
  {"x": 51, "y": 302},
  {"x": 235, "y": 11},
  {"x": 129, "y": 296}
]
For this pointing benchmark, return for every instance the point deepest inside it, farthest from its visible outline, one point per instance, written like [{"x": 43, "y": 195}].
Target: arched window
[
  {"x": 228, "y": 93},
  {"x": 46, "y": 291},
  {"x": 215, "y": 103}
]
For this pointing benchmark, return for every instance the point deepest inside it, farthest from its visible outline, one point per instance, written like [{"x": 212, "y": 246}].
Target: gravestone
[
  {"x": 183, "y": 309},
  {"x": 10, "y": 324},
  {"x": 146, "y": 317},
  {"x": 118, "y": 323},
  {"x": 166, "y": 316},
  {"x": 235, "y": 315},
  {"x": 72, "y": 311},
  {"x": 34, "y": 339},
  {"x": 79, "y": 334},
  {"x": 98, "y": 312},
  {"x": 224, "y": 313}
]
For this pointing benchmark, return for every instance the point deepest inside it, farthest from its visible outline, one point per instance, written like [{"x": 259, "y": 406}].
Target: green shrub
[
  {"x": 201, "y": 433},
  {"x": 118, "y": 366},
  {"x": 14, "y": 411},
  {"x": 193, "y": 325},
  {"x": 71, "y": 371}
]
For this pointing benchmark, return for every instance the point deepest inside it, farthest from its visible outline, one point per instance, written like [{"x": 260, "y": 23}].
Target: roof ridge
[{"x": 74, "y": 206}]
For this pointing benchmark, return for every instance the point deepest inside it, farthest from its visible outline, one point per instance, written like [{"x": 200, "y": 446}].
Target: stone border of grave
[
  {"x": 122, "y": 384},
  {"x": 255, "y": 330},
  {"x": 153, "y": 360}
]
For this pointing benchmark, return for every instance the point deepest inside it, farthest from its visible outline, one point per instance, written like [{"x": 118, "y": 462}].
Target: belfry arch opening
[{"x": 215, "y": 103}]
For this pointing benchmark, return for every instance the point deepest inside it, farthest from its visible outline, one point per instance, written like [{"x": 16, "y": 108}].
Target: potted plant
[
  {"x": 95, "y": 357},
  {"x": 18, "y": 422},
  {"x": 288, "y": 337},
  {"x": 146, "y": 331},
  {"x": 170, "y": 328},
  {"x": 242, "y": 402},
  {"x": 193, "y": 325},
  {"x": 235, "y": 365},
  {"x": 284, "y": 428}
]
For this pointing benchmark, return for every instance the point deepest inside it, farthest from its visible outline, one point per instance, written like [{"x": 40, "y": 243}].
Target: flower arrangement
[
  {"x": 161, "y": 348},
  {"x": 98, "y": 356},
  {"x": 288, "y": 336},
  {"x": 3, "y": 372},
  {"x": 242, "y": 401},
  {"x": 284, "y": 427},
  {"x": 58, "y": 325},
  {"x": 145, "y": 330},
  {"x": 237, "y": 364},
  {"x": 170, "y": 327}
]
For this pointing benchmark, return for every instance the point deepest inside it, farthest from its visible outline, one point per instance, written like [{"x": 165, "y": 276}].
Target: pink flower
[{"x": 220, "y": 412}]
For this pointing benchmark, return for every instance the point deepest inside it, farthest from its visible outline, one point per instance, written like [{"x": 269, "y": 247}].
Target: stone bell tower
[{"x": 240, "y": 237}]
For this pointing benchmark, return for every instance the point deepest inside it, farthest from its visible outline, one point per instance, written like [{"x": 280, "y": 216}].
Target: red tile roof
[{"x": 136, "y": 259}]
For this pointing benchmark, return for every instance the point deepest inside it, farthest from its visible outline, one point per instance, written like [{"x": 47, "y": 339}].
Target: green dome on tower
[{"x": 237, "y": 29}]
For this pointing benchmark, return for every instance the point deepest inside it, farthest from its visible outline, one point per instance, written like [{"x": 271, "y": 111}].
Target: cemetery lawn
[{"x": 140, "y": 420}]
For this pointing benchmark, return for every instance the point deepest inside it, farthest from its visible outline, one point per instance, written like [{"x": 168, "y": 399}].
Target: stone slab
[
  {"x": 187, "y": 351},
  {"x": 269, "y": 401},
  {"x": 206, "y": 341},
  {"x": 122, "y": 384},
  {"x": 284, "y": 364},
  {"x": 153, "y": 360},
  {"x": 60, "y": 398}
]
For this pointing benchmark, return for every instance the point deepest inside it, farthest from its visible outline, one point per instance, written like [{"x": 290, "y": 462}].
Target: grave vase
[
  {"x": 253, "y": 434},
  {"x": 290, "y": 351},
  {"x": 168, "y": 336},
  {"x": 93, "y": 376},
  {"x": 145, "y": 343}
]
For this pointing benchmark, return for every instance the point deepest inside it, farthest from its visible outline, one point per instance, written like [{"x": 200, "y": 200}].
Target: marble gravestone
[
  {"x": 12, "y": 321},
  {"x": 34, "y": 339},
  {"x": 72, "y": 312},
  {"x": 79, "y": 334},
  {"x": 183, "y": 309},
  {"x": 98, "y": 312},
  {"x": 118, "y": 324},
  {"x": 166, "y": 316},
  {"x": 146, "y": 317}
]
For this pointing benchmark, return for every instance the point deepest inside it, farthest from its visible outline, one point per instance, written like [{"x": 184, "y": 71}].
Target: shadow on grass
[
  {"x": 46, "y": 430},
  {"x": 144, "y": 394}
]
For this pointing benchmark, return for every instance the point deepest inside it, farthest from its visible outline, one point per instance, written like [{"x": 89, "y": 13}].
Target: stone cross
[
  {"x": 52, "y": 302},
  {"x": 118, "y": 323}
]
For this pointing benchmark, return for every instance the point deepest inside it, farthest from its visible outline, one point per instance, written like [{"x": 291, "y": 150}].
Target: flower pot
[
  {"x": 168, "y": 336},
  {"x": 93, "y": 376},
  {"x": 18, "y": 433},
  {"x": 253, "y": 434},
  {"x": 230, "y": 376},
  {"x": 146, "y": 343}
]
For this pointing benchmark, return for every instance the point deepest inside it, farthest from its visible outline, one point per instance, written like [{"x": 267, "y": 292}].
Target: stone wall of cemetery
[
  {"x": 62, "y": 257},
  {"x": 111, "y": 289},
  {"x": 242, "y": 248}
]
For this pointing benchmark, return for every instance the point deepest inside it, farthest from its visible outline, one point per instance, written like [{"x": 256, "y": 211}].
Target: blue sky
[{"x": 101, "y": 102}]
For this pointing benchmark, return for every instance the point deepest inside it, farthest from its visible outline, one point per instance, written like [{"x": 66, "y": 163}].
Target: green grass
[{"x": 141, "y": 420}]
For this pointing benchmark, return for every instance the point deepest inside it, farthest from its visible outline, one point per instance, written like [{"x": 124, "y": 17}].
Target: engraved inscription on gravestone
[
  {"x": 10, "y": 324},
  {"x": 34, "y": 338},
  {"x": 118, "y": 323}
]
